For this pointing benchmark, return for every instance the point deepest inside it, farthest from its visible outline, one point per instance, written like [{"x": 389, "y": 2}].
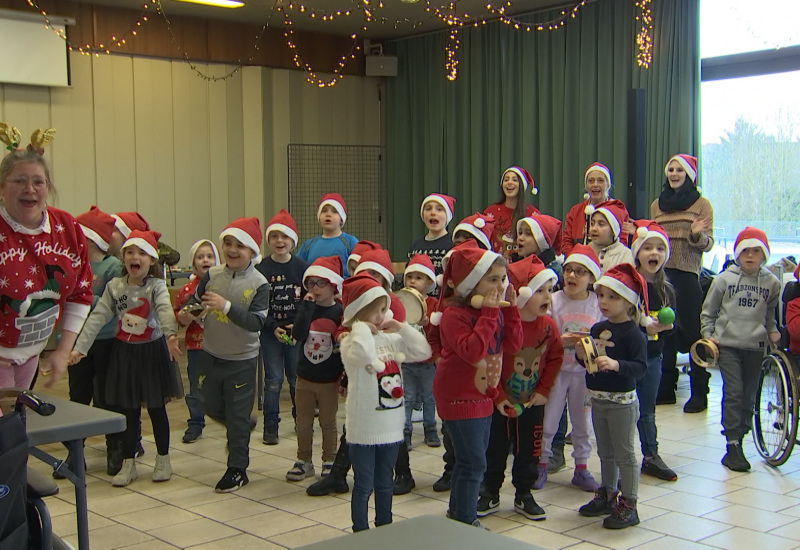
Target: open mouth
[
  {"x": 653, "y": 263},
  {"x": 433, "y": 221},
  {"x": 134, "y": 267},
  {"x": 543, "y": 308},
  {"x": 28, "y": 203}
]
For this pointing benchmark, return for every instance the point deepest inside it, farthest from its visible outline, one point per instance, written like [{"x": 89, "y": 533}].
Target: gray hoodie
[{"x": 739, "y": 310}]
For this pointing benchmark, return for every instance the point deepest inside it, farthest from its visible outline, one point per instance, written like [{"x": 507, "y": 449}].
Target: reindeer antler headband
[{"x": 11, "y": 136}]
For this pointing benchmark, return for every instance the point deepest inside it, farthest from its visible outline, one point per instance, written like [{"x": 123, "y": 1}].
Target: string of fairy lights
[{"x": 370, "y": 13}]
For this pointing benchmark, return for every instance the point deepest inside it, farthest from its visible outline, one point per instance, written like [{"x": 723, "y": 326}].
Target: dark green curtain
[{"x": 551, "y": 102}]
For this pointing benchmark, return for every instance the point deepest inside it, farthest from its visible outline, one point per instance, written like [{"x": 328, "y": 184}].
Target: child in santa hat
[
  {"x": 540, "y": 235},
  {"x": 124, "y": 223},
  {"x": 739, "y": 316},
  {"x": 141, "y": 369},
  {"x": 204, "y": 256},
  {"x": 622, "y": 295},
  {"x": 525, "y": 384},
  {"x": 575, "y": 310},
  {"x": 605, "y": 227},
  {"x": 319, "y": 366},
  {"x": 650, "y": 249},
  {"x": 358, "y": 251},
  {"x": 236, "y": 312},
  {"x": 372, "y": 353},
  {"x": 436, "y": 212},
  {"x": 473, "y": 338},
  {"x": 476, "y": 227},
  {"x": 284, "y": 273},
  {"x": 510, "y": 208},
  {"x": 331, "y": 213}
]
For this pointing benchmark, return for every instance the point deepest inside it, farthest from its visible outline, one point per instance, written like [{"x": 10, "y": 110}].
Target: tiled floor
[{"x": 708, "y": 506}]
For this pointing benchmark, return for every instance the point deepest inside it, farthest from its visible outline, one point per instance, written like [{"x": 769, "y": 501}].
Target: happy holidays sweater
[
  {"x": 375, "y": 411},
  {"x": 468, "y": 336},
  {"x": 45, "y": 278}
]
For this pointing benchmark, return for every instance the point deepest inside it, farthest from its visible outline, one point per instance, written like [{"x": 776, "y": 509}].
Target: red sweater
[
  {"x": 194, "y": 332},
  {"x": 503, "y": 218},
  {"x": 793, "y": 325},
  {"x": 575, "y": 228},
  {"x": 468, "y": 337},
  {"x": 533, "y": 369}
]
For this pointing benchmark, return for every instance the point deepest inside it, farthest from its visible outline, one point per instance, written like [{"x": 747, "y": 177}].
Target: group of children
[{"x": 498, "y": 356}]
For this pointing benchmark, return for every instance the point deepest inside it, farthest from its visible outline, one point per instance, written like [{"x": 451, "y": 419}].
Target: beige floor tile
[
  {"x": 715, "y": 471},
  {"x": 307, "y": 535},
  {"x": 744, "y": 539},
  {"x": 540, "y": 537},
  {"x": 684, "y": 526},
  {"x": 112, "y": 537},
  {"x": 750, "y": 518},
  {"x": 192, "y": 533},
  {"x": 232, "y": 508},
  {"x": 271, "y": 523},
  {"x": 58, "y": 506},
  {"x": 672, "y": 543},
  {"x": 271, "y": 488},
  {"x": 150, "y": 545},
  {"x": 338, "y": 516},
  {"x": 794, "y": 511},
  {"x": 648, "y": 491},
  {"x": 559, "y": 520},
  {"x": 299, "y": 503},
  {"x": 620, "y": 539},
  {"x": 646, "y": 511},
  {"x": 761, "y": 500},
  {"x": 586, "y": 546},
  {"x": 570, "y": 497},
  {"x": 67, "y": 524},
  {"x": 424, "y": 506},
  {"x": 774, "y": 482},
  {"x": 693, "y": 505},
  {"x": 500, "y": 524},
  {"x": 789, "y": 531},
  {"x": 238, "y": 542},
  {"x": 153, "y": 518},
  {"x": 193, "y": 496},
  {"x": 122, "y": 504},
  {"x": 700, "y": 486},
  {"x": 155, "y": 489}
]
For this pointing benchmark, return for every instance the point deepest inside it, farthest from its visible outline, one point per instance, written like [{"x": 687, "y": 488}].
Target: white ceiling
[{"x": 395, "y": 19}]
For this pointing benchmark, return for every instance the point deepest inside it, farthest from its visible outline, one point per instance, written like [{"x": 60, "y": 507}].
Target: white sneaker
[
  {"x": 416, "y": 415},
  {"x": 300, "y": 471},
  {"x": 326, "y": 468},
  {"x": 163, "y": 469},
  {"x": 126, "y": 474}
]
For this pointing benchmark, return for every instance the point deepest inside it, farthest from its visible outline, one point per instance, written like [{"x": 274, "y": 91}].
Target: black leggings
[{"x": 160, "y": 422}]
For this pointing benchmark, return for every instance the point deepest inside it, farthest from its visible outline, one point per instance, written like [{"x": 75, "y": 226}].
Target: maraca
[
  {"x": 666, "y": 316},
  {"x": 514, "y": 410}
]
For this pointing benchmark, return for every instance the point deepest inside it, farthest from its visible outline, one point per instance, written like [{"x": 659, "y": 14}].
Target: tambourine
[
  {"x": 195, "y": 309},
  {"x": 414, "y": 304},
  {"x": 704, "y": 353},
  {"x": 590, "y": 353}
]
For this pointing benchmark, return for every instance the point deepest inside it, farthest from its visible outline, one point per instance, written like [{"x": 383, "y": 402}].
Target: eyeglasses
[
  {"x": 22, "y": 181},
  {"x": 577, "y": 271},
  {"x": 319, "y": 283}
]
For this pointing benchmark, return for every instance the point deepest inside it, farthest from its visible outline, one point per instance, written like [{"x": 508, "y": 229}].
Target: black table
[{"x": 71, "y": 424}]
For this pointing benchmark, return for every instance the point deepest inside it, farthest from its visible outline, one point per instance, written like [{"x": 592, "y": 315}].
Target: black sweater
[
  {"x": 629, "y": 349},
  {"x": 286, "y": 286},
  {"x": 314, "y": 326}
]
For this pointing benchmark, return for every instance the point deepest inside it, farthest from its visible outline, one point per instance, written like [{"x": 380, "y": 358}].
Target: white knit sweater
[{"x": 375, "y": 411}]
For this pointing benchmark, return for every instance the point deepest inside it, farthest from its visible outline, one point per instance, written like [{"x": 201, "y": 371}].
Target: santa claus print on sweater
[{"x": 318, "y": 347}]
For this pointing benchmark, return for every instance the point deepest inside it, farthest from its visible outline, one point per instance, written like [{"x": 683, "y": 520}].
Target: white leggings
[{"x": 569, "y": 386}]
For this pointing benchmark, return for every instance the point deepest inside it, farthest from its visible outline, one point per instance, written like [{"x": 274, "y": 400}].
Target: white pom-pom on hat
[
  {"x": 645, "y": 320},
  {"x": 436, "y": 318},
  {"x": 589, "y": 210},
  {"x": 439, "y": 280},
  {"x": 523, "y": 295},
  {"x": 586, "y": 196},
  {"x": 641, "y": 232},
  {"x": 479, "y": 223},
  {"x": 534, "y": 190}
]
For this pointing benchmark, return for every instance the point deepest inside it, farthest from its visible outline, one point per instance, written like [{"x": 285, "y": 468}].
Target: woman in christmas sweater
[
  {"x": 510, "y": 208},
  {"x": 45, "y": 278}
]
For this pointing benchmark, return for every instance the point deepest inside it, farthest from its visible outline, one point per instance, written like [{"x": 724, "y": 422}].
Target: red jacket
[
  {"x": 470, "y": 337},
  {"x": 575, "y": 225},
  {"x": 793, "y": 325},
  {"x": 194, "y": 332}
]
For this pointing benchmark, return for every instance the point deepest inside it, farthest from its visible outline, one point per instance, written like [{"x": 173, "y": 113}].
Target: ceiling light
[
  {"x": 409, "y": 1},
  {"x": 215, "y": 3}
]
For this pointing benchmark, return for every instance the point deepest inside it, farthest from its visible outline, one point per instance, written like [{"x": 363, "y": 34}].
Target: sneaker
[
  {"x": 557, "y": 461},
  {"x": 655, "y": 466},
  {"x": 335, "y": 482},
  {"x": 326, "y": 468},
  {"x": 270, "y": 436},
  {"x": 192, "y": 435},
  {"x": 442, "y": 484},
  {"x": 601, "y": 504},
  {"x": 488, "y": 504},
  {"x": 734, "y": 458},
  {"x": 542, "y": 477},
  {"x": 583, "y": 480},
  {"x": 696, "y": 404},
  {"x": 162, "y": 470},
  {"x": 624, "y": 515},
  {"x": 127, "y": 473},
  {"x": 477, "y": 523},
  {"x": 403, "y": 483},
  {"x": 432, "y": 439},
  {"x": 300, "y": 471},
  {"x": 416, "y": 415},
  {"x": 233, "y": 479},
  {"x": 526, "y": 505}
]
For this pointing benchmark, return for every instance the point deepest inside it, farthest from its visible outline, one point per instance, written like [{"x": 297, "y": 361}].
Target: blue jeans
[
  {"x": 470, "y": 439},
  {"x": 279, "y": 358},
  {"x": 418, "y": 386},
  {"x": 646, "y": 391},
  {"x": 372, "y": 469},
  {"x": 197, "y": 420}
]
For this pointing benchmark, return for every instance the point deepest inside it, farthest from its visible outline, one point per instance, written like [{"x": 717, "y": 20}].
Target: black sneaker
[
  {"x": 624, "y": 515},
  {"x": 734, "y": 458},
  {"x": 192, "y": 435},
  {"x": 233, "y": 479},
  {"x": 655, "y": 466},
  {"x": 488, "y": 504},
  {"x": 443, "y": 483},
  {"x": 403, "y": 483},
  {"x": 270, "y": 436},
  {"x": 601, "y": 504},
  {"x": 526, "y": 505},
  {"x": 335, "y": 482}
]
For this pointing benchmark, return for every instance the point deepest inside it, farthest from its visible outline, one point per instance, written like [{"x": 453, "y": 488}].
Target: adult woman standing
[
  {"x": 510, "y": 208},
  {"x": 688, "y": 219},
  {"x": 45, "y": 278}
]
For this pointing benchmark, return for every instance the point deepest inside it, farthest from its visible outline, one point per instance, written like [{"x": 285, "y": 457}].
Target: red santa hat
[
  {"x": 597, "y": 167},
  {"x": 328, "y": 268},
  {"x": 283, "y": 223},
  {"x": 359, "y": 291},
  {"x": 648, "y": 229},
  {"x": 528, "y": 275},
  {"x": 360, "y": 248},
  {"x": 480, "y": 227},
  {"x": 198, "y": 244},
  {"x": 525, "y": 179},
  {"x": 97, "y": 226},
  {"x": 546, "y": 231},
  {"x": 248, "y": 232},
  {"x": 445, "y": 201},
  {"x": 689, "y": 164},
  {"x": 142, "y": 311},
  {"x": 628, "y": 283},
  {"x": 420, "y": 263},
  {"x": 335, "y": 200},
  {"x": 751, "y": 237},
  {"x": 128, "y": 221},
  {"x": 146, "y": 240},
  {"x": 323, "y": 325},
  {"x": 377, "y": 260},
  {"x": 585, "y": 255},
  {"x": 613, "y": 210}
]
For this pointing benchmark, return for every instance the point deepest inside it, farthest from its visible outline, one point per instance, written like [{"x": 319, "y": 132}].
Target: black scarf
[{"x": 676, "y": 200}]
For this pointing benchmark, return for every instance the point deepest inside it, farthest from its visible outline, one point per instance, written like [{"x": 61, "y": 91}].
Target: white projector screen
[{"x": 32, "y": 54}]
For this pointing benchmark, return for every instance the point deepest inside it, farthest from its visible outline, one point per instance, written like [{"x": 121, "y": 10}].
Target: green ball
[{"x": 666, "y": 316}]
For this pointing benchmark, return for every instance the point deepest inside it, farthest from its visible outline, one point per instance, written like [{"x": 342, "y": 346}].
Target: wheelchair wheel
[{"x": 775, "y": 416}]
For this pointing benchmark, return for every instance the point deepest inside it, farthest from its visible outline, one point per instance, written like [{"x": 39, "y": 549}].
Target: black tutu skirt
[{"x": 142, "y": 375}]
